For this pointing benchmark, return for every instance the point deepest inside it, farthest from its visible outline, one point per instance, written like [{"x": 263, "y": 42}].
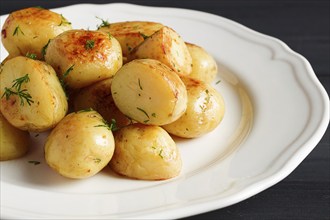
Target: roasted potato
[
  {"x": 131, "y": 33},
  {"x": 205, "y": 110},
  {"x": 167, "y": 47},
  {"x": 204, "y": 66},
  {"x": 80, "y": 145},
  {"x": 14, "y": 142},
  {"x": 27, "y": 31},
  {"x": 139, "y": 79},
  {"x": 32, "y": 97},
  {"x": 145, "y": 152},
  {"x": 98, "y": 97},
  {"x": 149, "y": 92},
  {"x": 82, "y": 57}
]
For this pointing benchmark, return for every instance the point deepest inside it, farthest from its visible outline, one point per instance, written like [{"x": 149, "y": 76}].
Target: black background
[{"x": 304, "y": 27}]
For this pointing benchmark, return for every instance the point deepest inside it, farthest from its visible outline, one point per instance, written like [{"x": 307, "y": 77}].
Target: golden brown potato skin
[
  {"x": 28, "y": 30},
  {"x": 131, "y": 33},
  {"x": 14, "y": 143},
  {"x": 204, "y": 66},
  {"x": 82, "y": 57},
  {"x": 98, "y": 97},
  {"x": 149, "y": 92},
  {"x": 49, "y": 104},
  {"x": 167, "y": 47},
  {"x": 80, "y": 145},
  {"x": 145, "y": 152},
  {"x": 205, "y": 110}
]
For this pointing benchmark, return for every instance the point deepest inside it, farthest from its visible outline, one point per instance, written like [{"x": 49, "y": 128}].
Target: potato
[
  {"x": 32, "y": 97},
  {"x": 149, "y": 92},
  {"x": 204, "y": 66},
  {"x": 166, "y": 46},
  {"x": 14, "y": 143},
  {"x": 131, "y": 33},
  {"x": 98, "y": 96},
  {"x": 29, "y": 30},
  {"x": 80, "y": 146},
  {"x": 82, "y": 57},
  {"x": 205, "y": 110},
  {"x": 145, "y": 152}
]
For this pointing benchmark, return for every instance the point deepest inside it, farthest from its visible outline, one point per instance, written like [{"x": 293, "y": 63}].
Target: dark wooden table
[{"x": 304, "y": 26}]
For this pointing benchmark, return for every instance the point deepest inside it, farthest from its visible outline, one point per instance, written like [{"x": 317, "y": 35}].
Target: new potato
[
  {"x": 204, "y": 67},
  {"x": 152, "y": 89},
  {"x": 131, "y": 33},
  {"x": 80, "y": 146},
  {"x": 28, "y": 30},
  {"x": 145, "y": 152},
  {"x": 14, "y": 143},
  {"x": 47, "y": 103},
  {"x": 82, "y": 57},
  {"x": 149, "y": 92},
  {"x": 166, "y": 46},
  {"x": 98, "y": 97},
  {"x": 205, "y": 110}
]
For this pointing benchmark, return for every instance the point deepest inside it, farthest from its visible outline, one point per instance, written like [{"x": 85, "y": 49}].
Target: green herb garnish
[
  {"x": 63, "y": 83},
  {"x": 64, "y": 21},
  {"x": 144, "y": 112},
  {"x": 97, "y": 160},
  {"x": 89, "y": 44},
  {"x": 16, "y": 90},
  {"x": 104, "y": 23},
  {"x": 206, "y": 100},
  {"x": 64, "y": 87},
  {"x": 160, "y": 153},
  {"x": 31, "y": 56},
  {"x": 34, "y": 162},
  {"x": 129, "y": 48},
  {"x": 17, "y": 30},
  {"x": 68, "y": 71},
  {"x": 40, "y": 7},
  {"x": 143, "y": 35},
  {"x": 140, "y": 84},
  {"x": 110, "y": 126},
  {"x": 44, "y": 49}
]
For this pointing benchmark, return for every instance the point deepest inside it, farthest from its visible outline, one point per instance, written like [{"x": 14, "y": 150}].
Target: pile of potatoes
[{"x": 111, "y": 96}]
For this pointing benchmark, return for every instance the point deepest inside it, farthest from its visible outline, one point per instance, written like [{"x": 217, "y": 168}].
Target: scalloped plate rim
[{"x": 267, "y": 180}]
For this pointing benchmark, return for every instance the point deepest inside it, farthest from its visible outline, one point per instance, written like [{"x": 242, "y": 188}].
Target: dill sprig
[
  {"x": 66, "y": 73},
  {"x": 44, "y": 49},
  {"x": 89, "y": 44},
  {"x": 17, "y": 31},
  {"x": 112, "y": 126},
  {"x": 143, "y": 35},
  {"x": 104, "y": 23},
  {"x": 34, "y": 162},
  {"x": 143, "y": 111},
  {"x": 64, "y": 21},
  {"x": 31, "y": 56},
  {"x": 17, "y": 90}
]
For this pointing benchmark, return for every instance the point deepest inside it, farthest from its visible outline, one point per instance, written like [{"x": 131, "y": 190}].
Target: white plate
[{"x": 276, "y": 112}]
